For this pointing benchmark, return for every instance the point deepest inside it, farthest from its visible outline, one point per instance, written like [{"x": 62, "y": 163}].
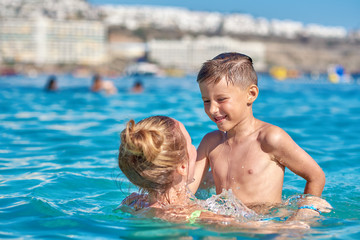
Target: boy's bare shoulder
[
  {"x": 271, "y": 136},
  {"x": 213, "y": 138}
]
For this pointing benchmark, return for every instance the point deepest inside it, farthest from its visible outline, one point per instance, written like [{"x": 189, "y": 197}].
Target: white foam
[{"x": 227, "y": 204}]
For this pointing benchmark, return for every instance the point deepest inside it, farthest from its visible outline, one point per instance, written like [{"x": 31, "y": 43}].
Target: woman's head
[{"x": 150, "y": 152}]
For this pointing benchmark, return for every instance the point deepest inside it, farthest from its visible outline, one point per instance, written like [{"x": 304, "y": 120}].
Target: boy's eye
[
  {"x": 206, "y": 101},
  {"x": 221, "y": 99}
]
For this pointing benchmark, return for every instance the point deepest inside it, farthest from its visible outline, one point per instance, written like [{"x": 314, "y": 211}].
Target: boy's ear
[{"x": 253, "y": 92}]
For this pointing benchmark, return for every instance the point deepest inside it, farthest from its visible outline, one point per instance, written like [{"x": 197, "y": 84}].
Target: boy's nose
[{"x": 213, "y": 108}]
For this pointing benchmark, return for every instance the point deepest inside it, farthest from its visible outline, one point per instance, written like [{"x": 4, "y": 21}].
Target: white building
[
  {"x": 286, "y": 28},
  {"x": 81, "y": 42},
  {"x": 325, "y": 32},
  {"x": 189, "y": 54},
  {"x": 17, "y": 40},
  {"x": 134, "y": 17},
  {"x": 41, "y": 40},
  {"x": 127, "y": 50}
]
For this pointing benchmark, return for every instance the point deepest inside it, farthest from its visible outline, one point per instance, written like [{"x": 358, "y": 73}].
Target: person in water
[
  {"x": 51, "y": 84},
  {"x": 101, "y": 85},
  {"x": 156, "y": 155},
  {"x": 137, "y": 87},
  {"x": 247, "y": 155}
]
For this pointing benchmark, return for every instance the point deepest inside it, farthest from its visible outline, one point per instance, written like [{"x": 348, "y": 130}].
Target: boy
[{"x": 247, "y": 155}]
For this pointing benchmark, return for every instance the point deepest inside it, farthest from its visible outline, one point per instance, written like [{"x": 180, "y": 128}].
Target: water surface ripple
[{"x": 58, "y": 172}]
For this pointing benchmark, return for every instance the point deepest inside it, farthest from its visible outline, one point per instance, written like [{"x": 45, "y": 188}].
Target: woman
[{"x": 156, "y": 155}]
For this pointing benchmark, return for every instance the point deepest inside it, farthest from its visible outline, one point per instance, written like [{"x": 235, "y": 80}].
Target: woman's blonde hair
[{"x": 150, "y": 151}]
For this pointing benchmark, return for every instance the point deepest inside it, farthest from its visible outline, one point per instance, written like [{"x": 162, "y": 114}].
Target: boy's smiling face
[{"x": 224, "y": 103}]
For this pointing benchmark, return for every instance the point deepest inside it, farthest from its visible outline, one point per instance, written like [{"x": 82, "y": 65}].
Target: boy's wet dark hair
[{"x": 236, "y": 68}]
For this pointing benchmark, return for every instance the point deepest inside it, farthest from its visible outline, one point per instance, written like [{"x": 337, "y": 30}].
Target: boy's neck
[{"x": 242, "y": 129}]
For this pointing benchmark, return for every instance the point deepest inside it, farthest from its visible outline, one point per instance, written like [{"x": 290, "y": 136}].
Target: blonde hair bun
[
  {"x": 150, "y": 151},
  {"x": 142, "y": 141}
]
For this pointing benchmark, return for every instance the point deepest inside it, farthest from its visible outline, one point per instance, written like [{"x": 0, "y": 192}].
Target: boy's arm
[
  {"x": 201, "y": 166},
  {"x": 287, "y": 153},
  {"x": 290, "y": 155}
]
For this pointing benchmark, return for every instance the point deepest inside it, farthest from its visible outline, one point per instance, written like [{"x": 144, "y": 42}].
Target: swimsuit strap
[{"x": 195, "y": 215}]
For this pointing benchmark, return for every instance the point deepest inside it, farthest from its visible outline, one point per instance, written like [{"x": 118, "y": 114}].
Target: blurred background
[{"x": 115, "y": 38}]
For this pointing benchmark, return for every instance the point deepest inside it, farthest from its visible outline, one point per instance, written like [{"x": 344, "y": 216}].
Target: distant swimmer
[
  {"x": 51, "y": 84},
  {"x": 101, "y": 85},
  {"x": 138, "y": 87}
]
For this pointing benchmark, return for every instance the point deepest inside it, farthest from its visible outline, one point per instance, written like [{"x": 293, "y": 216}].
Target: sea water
[{"x": 58, "y": 155}]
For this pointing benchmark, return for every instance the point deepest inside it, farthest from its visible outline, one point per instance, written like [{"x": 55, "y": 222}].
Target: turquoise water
[{"x": 58, "y": 173}]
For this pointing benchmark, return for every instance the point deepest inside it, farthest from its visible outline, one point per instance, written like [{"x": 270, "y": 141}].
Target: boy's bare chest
[{"x": 239, "y": 161}]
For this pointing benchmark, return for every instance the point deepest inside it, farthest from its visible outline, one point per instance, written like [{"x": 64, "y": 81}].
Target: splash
[{"x": 227, "y": 204}]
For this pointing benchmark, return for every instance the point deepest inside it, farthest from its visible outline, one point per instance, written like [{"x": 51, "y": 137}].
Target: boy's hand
[
  {"x": 136, "y": 201},
  {"x": 321, "y": 204},
  {"x": 310, "y": 207}
]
